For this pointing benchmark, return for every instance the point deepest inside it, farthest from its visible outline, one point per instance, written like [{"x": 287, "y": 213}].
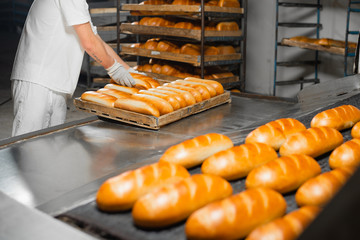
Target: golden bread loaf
[
  {"x": 178, "y": 97},
  {"x": 238, "y": 161},
  {"x": 114, "y": 93},
  {"x": 151, "y": 44},
  {"x": 196, "y": 94},
  {"x": 191, "y": 83},
  {"x": 227, "y": 26},
  {"x": 193, "y": 152},
  {"x": 215, "y": 84},
  {"x": 340, "y": 118},
  {"x": 120, "y": 192},
  {"x": 288, "y": 227},
  {"x": 312, "y": 141},
  {"x": 189, "y": 98},
  {"x": 135, "y": 105},
  {"x": 121, "y": 88},
  {"x": 166, "y": 46},
  {"x": 175, "y": 202},
  {"x": 283, "y": 174},
  {"x": 184, "y": 25},
  {"x": 229, "y": 3},
  {"x": 99, "y": 98},
  {"x": 236, "y": 216},
  {"x": 168, "y": 70},
  {"x": 172, "y": 100},
  {"x": 153, "y": 83},
  {"x": 190, "y": 49},
  {"x": 320, "y": 189},
  {"x": 346, "y": 155},
  {"x": 205, "y": 94},
  {"x": 275, "y": 133},
  {"x": 355, "y": 131},
  {"x": 162, "y": 105}
]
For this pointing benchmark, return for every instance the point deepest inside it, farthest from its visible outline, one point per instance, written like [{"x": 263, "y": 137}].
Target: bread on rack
[
  {"x": 312, "y": 141},
  {"x": 138, "y": 106},
  {"x": 166, "y": 46},
  {"x": 120, "y": 192},
  {"x": 283, "y": 174},
  {"x": 227, "y": 26},
  {"x": 222, "y": 75},
  {"x": 151, "y": 44},
  {"x": 162, "y": 105},
  {"x": 154, "y": 2},
  {"x": 156, "y": 68},
  {"x": 236, "y": 216},
  {"x": 184, "y": 25},
  {"x": 190, "y": 49},
  {"x": 355, "y": 131},
  {"x": 346, "y": 155},
  {"x": 185, "y": 2},
  {"x": 173, "y": 203},
  {"x": 191, "y": 83},
  {"x": 171, "y": 99},
  {"x": 189, "y": 98},
  {"x": 288, "y": 227},
  {"x": 114, "y": 93},
  {"x": 99, "y": 98},
  {"x": 319, "y": 190},
  {"x": 196, "y": 94},
  {"x": 168, "y": 70},
  {"x": 340, "y": 118},
  {"x": 193, "y": 152},
  {"x": 229, "y": 3},
  {"x": 144, "y": 21},
  {"x": 275, "y": 133},
  {"x": 121, "y": 88},
  {"x": 238, "y": 161},
  {"x": 205, "y": 94},
  {"x": 178, "y": 97},
  {"x": 154, "y": 83},
  {"x": 215, "y": 84}
]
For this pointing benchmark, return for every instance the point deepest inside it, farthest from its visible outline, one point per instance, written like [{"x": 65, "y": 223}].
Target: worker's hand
[{"x": 120, "y": 75}]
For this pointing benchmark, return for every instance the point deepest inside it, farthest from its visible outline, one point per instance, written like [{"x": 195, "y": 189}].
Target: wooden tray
[
  {"x": 175, "y": 32},
  {"x": 178, "y": 9},
  {"x": 147, "y": 121},
  {"x": 195, "y": 60},
  {"x": 313, "y": 46}
]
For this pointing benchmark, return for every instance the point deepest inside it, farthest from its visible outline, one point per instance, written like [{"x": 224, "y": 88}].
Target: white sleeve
[{"x": 75, "y": 11}]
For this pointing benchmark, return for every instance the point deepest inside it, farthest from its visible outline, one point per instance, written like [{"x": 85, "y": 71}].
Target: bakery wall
[{"x": 261, "y": 44}]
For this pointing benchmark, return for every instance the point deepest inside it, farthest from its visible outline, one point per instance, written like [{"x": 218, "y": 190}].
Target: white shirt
[{"x": 49, "y": 51}]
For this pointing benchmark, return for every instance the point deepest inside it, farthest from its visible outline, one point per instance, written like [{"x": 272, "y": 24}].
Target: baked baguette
[
  {"x": 154, "y": 83},
  {"x": 313, "y": 142},
  {"x": 210, "y": 88},
  {"x": 355, "y": 131},
  {"x": 340, "y": 118},
  {"x": 236, "y": 216},
  {"x": 346, "y": 155},
  {"x": 178, "y": 97},
  {"x": 162, "y": 105},
  {"x": 275, "y": 133},
  {"x": 215, "y": 84},
  {"x": 189, "y": 98},
  {"x": 283, "y": 174},
  {"x": 138, "y": 106},
  {"x": 193, "y": 152},
  {"x": 205, "y": 94},
  {"x": 193, "y": 91},
  {"x": 238, "y": 161},
  {"x": 119, "y": 193},
  {"x": 114, "y": 93},
  {"x": 121, "y": 88},
  {"x": 172, "y": 100},
  {"x": 99, "y": 98},
  {"x": 288, "y": 227},
  {"x": 319, "y": 190},
  {"x": 175, "y": 202}
]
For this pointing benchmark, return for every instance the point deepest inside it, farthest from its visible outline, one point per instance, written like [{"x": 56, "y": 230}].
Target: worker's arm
[{"x": 104, "y": 55}]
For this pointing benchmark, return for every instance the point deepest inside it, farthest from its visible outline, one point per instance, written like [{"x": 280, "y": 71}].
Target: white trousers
[{"x": 36, "y": 107}]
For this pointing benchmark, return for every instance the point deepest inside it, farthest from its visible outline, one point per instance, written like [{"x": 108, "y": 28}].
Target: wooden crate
[
  {"x": 195, "y": 60},
  {"x": 147, "y": 121},
  {"x": 313, "y": 46}
]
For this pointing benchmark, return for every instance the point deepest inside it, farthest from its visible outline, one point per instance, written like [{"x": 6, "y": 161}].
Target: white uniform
[{"x": 49, "y": 56}]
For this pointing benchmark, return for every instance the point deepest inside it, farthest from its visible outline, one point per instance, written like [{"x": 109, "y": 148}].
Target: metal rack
[
  {"x": 279, "y": 5},
  {"x": 350, "y": 9}
]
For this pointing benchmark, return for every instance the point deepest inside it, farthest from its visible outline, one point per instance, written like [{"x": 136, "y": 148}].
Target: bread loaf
[
  {"x": 346, "y": 155},
  {"x": 275, "y": 133},
  {"x": 355, "y": 131},
  {"x": 168, "y": 70},
  {"x": 144, "y": 21},
  {"x": 125, "y": 89},
  {"x": 313, "y": 142},
  {"x": 119, "y": 193},
  {"x": 156, "y": 68},
  {"x": 238, "y": 161},
  {"x": 184, "y": 2},
  {"x": 151, "y": 44},
  {"x": 190, "y": 83},
  {"x": 190, "y": 49},
  {"x": 223, "y": 50},
  {"x": 340, "y": 118},
  {"x": 196, "y": 94},
  {"x": 283, "y": 174},
  {"x": 189, "y": 98},
  {"x": 193, "y": 152},
  {"x": 147, "y": 68},
  {"x": 114, "y": 93},
  {"x": 319, "y": 190},
  {"x": 227, "y": 26},
  {"x": 153, "y": 83},
  {"x": 99, "y": 98},
  {"x": 184, "y": 25},
  {"x": 166, "y": 46},
  {"x": 162, "y": 105},
  {"x": 172, "y": 100},
  {"x": 236, "y": 216},
  {"x": 288, "y": 227},
  {"x": 211, "y": 50},
  {"x": 205, "y": 94},
  {"x": 229, "y": 3},
  {"x": 178, "y": 97},
  {"x": 138, "y": 106},
  {"x": 215, "y": 84},
  {"x": 175, "y": 202}
]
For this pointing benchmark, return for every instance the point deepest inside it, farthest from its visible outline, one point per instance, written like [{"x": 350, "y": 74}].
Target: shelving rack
[
  {"x": 352, "y": 8},
  {"x": 204, "y": 37},
  {"x": 279, "y": 5}
]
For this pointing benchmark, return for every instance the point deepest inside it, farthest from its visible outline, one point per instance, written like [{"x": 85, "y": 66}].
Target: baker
[{"x": 48, "y": 62}]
